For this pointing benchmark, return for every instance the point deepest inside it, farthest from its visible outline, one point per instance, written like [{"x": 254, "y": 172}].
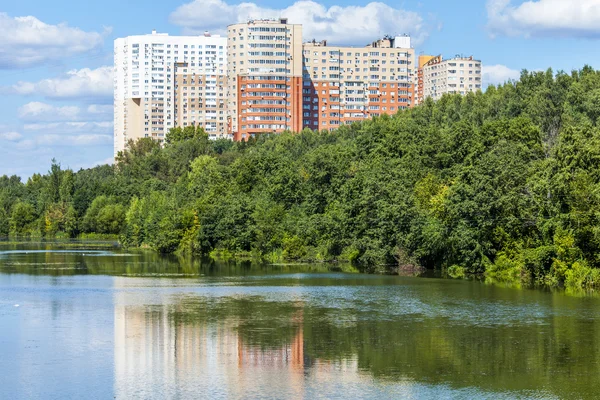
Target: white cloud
[
  {"x": 44, "y": 112},
  {"x": 497, "y": 74},
  {"x": 73, "y": 140},
  {"x": 36, "y": 112},
  {"x": 71, "y": 127},
  {"x": 543, "y": 18},
  {"x": 71, "y": 148},
  {"x": 10, "y": 136},
  {"x": 27, "y": 41},
  {"x": 66, "y": 133},
  {"x": 26, "y": 144},
  {"x": 338, "y": 24},
  {"x": 100, "y": 109},
  {"x": 53, "y": 141},
  {"x": 83, "y": 83}
]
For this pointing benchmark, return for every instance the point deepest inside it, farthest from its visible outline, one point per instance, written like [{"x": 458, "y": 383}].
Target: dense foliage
[{"x": 505, "y": 182}]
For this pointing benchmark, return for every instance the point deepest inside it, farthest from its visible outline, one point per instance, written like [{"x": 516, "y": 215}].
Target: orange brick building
[
  {"x": 264, "y": 66},
  {"x": 276, "y": 83},
  {"x": 342, "y": 85}
]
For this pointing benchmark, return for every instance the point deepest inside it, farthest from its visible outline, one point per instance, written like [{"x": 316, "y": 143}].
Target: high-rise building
[
  {"x": 342, "y": 84},
  {"x": 262, "y": 78},
  {"x": 264, "y": 69},
  {"x": 163, "y": 81},
  {"x": 420, "y": 85},
  {"x": 456, "y": 75}
]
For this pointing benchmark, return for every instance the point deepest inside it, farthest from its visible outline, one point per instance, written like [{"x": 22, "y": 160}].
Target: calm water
[{"x": 77, "y": 323}]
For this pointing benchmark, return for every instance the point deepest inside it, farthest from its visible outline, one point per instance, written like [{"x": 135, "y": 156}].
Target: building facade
[
  {"x": 420, "y": 84},
  {"x": 342, "y": 84},
  {"x": 262, "y": 79},
  {"x": 264, "y": 69},
  {"x": 459, "y": 75},
  {"x": 163, "y": 81}
]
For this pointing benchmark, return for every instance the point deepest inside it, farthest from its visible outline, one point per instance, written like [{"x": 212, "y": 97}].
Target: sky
[{"x": 56, "y": 56}]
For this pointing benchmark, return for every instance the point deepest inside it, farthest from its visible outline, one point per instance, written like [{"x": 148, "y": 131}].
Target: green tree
[
  {"x": 110, "y": 219},
  {"x": 178, "y": 134},
  {"x": 104, "y": 215},
  {"x": 22, "y": 217},
  {"x": 4, "y": 223}
]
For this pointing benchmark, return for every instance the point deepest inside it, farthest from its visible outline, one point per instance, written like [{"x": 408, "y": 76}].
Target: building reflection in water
[{"x": 158, "y": 354}]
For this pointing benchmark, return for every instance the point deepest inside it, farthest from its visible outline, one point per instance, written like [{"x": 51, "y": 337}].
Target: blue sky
[{"x": 56, "y": 57}]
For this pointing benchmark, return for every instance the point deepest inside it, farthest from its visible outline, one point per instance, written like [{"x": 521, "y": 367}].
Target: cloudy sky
[{"x": 56, "y": 61}]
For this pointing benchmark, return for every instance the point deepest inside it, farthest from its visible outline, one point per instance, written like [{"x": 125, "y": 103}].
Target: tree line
[{"x": 504, "y": 183}]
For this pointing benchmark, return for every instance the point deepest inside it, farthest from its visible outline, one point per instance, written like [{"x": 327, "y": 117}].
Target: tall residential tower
[
  {"x": 264, "y": 70},
  {"x": 163, "y": 81},
  {"x": 262, "y": 78},
  {"x": 459, "y": 75}
]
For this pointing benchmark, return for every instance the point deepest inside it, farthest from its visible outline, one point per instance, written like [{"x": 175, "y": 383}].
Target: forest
[{"x": 504, "y": 183}]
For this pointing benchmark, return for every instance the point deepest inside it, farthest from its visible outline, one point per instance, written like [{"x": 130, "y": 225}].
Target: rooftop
[
  {"x": 387, "y": 42},
  {"x": 278, "y": 21}
]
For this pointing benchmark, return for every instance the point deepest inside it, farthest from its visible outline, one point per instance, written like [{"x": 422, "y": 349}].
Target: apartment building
[
  {"x": 201, "y": 98},
  {"x": 456, "y": 75},
  {"x": 343, "y": 84},
  {"x": 163, "y": 81},
  {"x": 264, "y": 69},
  {"x": 420, "y": 84},
  {"x": 262, "y": 78}
]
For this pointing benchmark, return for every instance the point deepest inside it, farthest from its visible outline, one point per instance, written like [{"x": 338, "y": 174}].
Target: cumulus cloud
[
  {"x": 10, "y": 136},
  {"x": 73, "y": 140},
  {"x": 55, "y": 140},
  {"x": 498, "y": 74},
  {"x": 545, "y": 18},
  {"x": 27, "y": 41},
  {"x": 338, "y": 24},
  {"x": 26, "y": 144},
  {"x": 73, "y": 148},
  {"x": 83, "y": 83},
  {"x": 51, "y": 142},
  {"x": 42, "y": 111},
  {"x": 36, "y": 112},
  {"x": 71, "y": 127},
  {"x": 100, "y": 109}
]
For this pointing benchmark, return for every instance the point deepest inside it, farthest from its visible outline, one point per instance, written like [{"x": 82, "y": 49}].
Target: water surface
[{"x": 98, "y": 322}]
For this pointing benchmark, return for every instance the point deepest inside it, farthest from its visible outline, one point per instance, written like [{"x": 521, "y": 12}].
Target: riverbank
[{"x": 577, "y": 284}]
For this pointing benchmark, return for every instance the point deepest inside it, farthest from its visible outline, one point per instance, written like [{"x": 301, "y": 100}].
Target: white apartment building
[
  {"x": 456, "y": 75},
  {"x": 163, "y": 81}
]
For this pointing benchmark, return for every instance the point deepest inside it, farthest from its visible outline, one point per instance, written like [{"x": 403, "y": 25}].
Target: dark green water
[{"x": 83, "y": 324}]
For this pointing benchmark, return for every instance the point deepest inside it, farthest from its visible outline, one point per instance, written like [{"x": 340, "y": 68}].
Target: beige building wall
[
  {"x": 264, "y": 69},
  {"x": 200, "y": 100},
  {"x": 344, "y": 84},
  {"x": 459, "y": 75},
  {"x": 134, "y": 118},
  {"x": 423, "y": 59}
]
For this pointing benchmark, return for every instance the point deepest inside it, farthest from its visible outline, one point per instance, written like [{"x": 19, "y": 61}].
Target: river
[{"x": 86, "y": 322}]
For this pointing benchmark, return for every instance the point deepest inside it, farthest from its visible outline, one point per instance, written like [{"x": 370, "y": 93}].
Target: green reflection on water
[
  {"x": 84, "y": 258},
  {"x": 560, "y": 355},
  {"x": 433, "y": 331}
]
